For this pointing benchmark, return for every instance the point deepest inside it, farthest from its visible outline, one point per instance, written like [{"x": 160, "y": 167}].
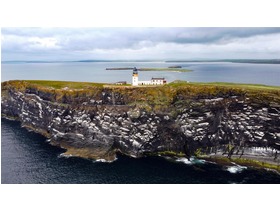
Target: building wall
[
  {"x": 135, "y": 80},
  {"x": 157, "y": 82},
  {"x": 144, "y": 83},
  {"x": 153, "y": 82}
]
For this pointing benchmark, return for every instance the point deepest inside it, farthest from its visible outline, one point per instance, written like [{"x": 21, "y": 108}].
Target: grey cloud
[
  {"x": 212, "y": 35},
  {"x": 83, "y": 41},
  {"x": 128, "y": 37}
]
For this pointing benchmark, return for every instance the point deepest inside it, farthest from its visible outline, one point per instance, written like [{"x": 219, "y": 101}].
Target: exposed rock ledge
[{"x": 183, "y": 120}]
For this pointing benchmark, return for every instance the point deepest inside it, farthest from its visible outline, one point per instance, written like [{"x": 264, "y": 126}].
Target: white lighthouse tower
[{"x": 135, "y": 77}]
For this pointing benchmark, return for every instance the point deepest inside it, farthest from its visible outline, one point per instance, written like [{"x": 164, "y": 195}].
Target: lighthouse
[
  {"x": 135, "y": 77},
  {"x": 154, "y": 81}
]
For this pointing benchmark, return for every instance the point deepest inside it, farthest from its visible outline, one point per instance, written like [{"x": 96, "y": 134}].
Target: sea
[
  {"x": 27, "y": 158},
  {"x": 267, "y": 74}
]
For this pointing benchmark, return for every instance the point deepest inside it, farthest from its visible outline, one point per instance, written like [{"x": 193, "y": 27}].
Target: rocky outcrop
[{"x": 136, "y": 121}]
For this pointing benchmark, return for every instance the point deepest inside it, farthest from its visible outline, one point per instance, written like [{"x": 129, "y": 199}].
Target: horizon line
[{"x": 148, "y": 60}]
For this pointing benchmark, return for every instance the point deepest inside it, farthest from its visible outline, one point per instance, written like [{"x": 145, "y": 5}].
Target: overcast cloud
[{"x": 56, "y": 44}]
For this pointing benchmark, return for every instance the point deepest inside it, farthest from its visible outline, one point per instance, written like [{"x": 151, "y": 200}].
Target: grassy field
[
  {"x": 64, "y": 84},
  {"x": 179, "y": 83}
]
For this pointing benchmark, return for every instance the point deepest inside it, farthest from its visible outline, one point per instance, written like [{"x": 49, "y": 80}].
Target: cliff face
[{"x": 185, "y": 120}]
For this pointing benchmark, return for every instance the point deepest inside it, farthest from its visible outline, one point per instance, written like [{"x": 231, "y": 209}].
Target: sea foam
[
  {"x": 63, "y": 155},
  {"x": 104, "y": 161},
  {"x": 190, "y": 161},
  {"x": 236, "y": 169}
]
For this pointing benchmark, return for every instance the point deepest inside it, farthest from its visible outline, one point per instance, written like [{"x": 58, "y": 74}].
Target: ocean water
[
  {"x": 28, "y": 158},
  {"x": 267, "y": 74}
]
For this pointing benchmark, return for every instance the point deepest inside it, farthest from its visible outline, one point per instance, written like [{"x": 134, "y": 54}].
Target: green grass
[
  {"x": 241, "y": 85},
  {"x": 178, "y": 83},
  {"x": 156, "y": 98},
  {"x": 64, "y": 84},
  {"x": 171, "y": 153}
]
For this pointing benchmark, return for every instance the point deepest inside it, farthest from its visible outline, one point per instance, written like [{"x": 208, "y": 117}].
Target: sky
[{"x": 160, "y": 43}]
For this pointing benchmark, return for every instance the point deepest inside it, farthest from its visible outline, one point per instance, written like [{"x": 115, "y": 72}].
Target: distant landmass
[
  {"x": 172, "y": 69},
  {"x": 82, "y": 61},
  {"x": 256, "y": 61},
  {"x": 119, "y": 61}
]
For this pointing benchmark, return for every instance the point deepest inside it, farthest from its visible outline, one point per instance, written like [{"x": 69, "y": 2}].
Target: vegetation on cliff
[
  {"x": 157, "y": 98},
  {"x": 222, "y": 160}
]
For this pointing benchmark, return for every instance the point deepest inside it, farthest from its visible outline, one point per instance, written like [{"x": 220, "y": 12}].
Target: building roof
[
  {"x": 157, "y": 78},
  {"x": 135, "y": 71}
]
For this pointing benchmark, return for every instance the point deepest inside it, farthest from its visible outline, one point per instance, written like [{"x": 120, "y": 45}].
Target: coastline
[{"x": 260, "y": 162}]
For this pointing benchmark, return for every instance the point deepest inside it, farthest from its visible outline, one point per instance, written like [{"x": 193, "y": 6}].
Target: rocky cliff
[{"x": 96, "y": 121}]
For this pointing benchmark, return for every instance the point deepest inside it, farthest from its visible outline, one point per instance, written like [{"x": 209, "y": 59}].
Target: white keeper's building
[{"x": 153, "y": 81}]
